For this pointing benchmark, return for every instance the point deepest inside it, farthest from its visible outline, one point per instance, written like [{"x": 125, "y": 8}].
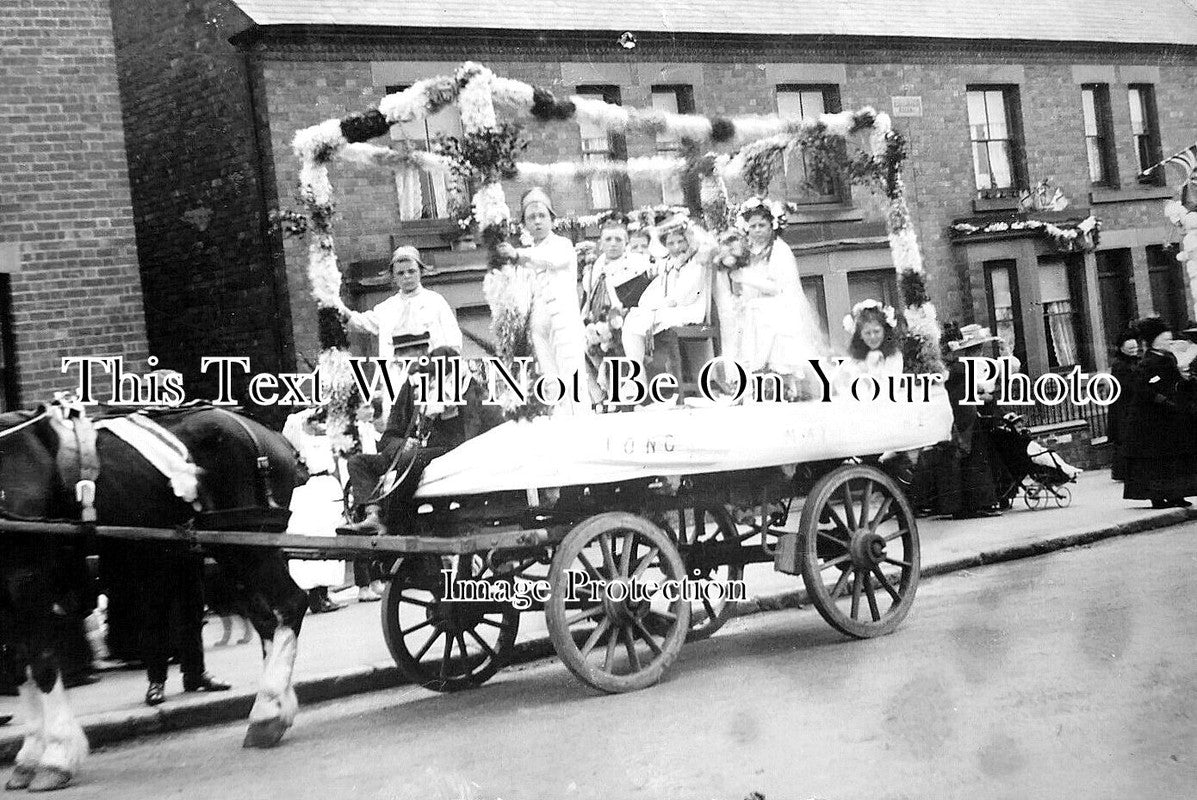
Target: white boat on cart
[{"x": 652, "y": 499}]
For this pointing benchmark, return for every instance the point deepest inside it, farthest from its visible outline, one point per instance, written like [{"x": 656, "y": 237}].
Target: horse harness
[{"x": 78, "y": 460}]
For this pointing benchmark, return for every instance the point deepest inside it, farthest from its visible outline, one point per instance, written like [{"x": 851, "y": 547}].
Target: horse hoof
[
  {"x": 21, "y": 778},
  {"x": 266, "y": 733},
  {"x": 48, "y": 779}
]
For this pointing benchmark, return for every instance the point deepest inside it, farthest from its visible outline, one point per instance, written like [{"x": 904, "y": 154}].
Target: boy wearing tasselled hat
[{"x": 558, "y": 338}]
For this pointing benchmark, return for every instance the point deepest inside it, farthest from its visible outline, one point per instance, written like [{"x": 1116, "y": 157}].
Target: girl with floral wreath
[
  {"x": 875, "y": 349},
  {"x": 766, "y": 323}
]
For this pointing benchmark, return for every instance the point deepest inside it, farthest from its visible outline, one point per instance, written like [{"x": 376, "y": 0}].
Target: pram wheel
[
  {"x": 1033, "y": 496},
  {"x": 1063, "y": 496}
]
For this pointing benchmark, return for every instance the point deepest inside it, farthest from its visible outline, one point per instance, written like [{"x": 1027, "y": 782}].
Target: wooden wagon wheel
[
  {"x": 445, "y": 646},
  {"x": 703, "y": 525},
  {"x": 860, "y": 551},
  {"x": 613, "y": 640}
]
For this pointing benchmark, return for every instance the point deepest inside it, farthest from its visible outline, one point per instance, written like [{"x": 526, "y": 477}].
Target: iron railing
[{"x": 1038, "y": 415}]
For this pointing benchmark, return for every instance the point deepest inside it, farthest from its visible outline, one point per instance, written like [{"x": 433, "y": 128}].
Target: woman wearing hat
[
  {"x": 1158, "y": 442},
  {"x": 680, "y": 293},
  {"x": 766, "y": 323},
  {"x": 555, "y": 326},
  {"x": 1122, "y": 367},
  {"x": 956, "y": 477}
]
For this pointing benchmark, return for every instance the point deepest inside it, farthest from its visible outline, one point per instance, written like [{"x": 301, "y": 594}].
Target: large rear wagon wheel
[
  {"x": 708, "y": 525},
  {"x": 613, "y": 640},
  {"x": 445, "y": 646},
  {"x": 860, "y": 551}
]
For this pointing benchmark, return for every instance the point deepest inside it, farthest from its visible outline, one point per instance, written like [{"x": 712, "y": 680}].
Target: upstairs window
[
  {"x": 995, "y": 136},
  {"x": 599, "y": 146},
  {"x": 1099, "y": 143},
  {"x": 803, "y": 183},
  {"x": 1145, "y": 132},
  {"x": 424, "y": 195},
  {"x": 677, "y": 100}
]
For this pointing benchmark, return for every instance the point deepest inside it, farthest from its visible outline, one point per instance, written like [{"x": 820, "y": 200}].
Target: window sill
[
  {"x": 825, "y": 213},
  {"x": 1131, "y": 195},
  {"x": 983, "y": 205}
]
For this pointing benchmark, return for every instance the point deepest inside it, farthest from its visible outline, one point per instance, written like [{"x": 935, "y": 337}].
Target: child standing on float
[{"x": 555, "y": 326}]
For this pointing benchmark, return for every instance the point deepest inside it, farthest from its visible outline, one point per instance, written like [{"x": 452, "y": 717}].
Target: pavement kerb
[{"x": 111, "y": 728}]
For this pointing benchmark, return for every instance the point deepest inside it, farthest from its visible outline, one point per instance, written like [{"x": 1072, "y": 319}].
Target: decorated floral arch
[{"x": 861, "y": 144}]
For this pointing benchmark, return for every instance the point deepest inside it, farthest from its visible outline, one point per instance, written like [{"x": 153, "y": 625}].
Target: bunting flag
[{"x": 1186, "y": 159}]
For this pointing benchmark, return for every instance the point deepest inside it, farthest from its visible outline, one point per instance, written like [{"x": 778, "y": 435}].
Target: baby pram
[{"x": 1040, "y": 473}]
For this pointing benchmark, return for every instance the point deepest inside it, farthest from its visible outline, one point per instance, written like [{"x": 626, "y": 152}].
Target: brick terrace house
[
  {"x": 69, "y": 283},
  {"x": 994, "y": 97}
]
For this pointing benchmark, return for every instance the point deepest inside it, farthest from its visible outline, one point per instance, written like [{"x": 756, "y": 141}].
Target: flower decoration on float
[
  {"x": 886, "y": 312},
  {"x": 731, "y": 251},
  {"x": 485, "y": 98}
]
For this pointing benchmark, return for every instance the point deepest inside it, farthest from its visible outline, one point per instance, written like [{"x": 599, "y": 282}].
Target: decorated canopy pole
[
  {"x": 1181, "y": 211},
  {"x": 486, "y": 155}
]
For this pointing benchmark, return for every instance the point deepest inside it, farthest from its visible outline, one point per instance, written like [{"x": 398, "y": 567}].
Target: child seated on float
[{"x": 678, "y": 295}]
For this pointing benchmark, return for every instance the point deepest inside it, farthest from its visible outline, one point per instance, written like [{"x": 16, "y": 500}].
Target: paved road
[{"x": 1069, "y": 675}]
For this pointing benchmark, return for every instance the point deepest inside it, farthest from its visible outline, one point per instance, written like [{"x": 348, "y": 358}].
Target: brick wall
[
  {"x": 198, "y": 199},
  {"x": 65, "y": 200},
  {"x": 309, "y": 80}
]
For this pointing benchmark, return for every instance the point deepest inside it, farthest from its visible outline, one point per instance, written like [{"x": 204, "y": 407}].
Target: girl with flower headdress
[
  {"x": 766, "y": 323},
  {"x": 875, "y": 347}
]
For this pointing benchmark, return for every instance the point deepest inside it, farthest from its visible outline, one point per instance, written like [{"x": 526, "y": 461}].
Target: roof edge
[{"x": 257, "y": 31}]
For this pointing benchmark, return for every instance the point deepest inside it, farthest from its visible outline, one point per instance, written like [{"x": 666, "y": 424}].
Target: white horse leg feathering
[
  {"x": 54, "y": 745},
  {"x": 66, "y": 744},
  {"x": 34, "y": 743},
  {"x": 276, "y": 704}
]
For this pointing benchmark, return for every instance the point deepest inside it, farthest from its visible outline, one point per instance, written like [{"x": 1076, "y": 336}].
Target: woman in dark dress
[
  {"x": 1122, "y": 367},
  {"x": 956, "y": 477},
  {"x": 1161, "y": 452}
]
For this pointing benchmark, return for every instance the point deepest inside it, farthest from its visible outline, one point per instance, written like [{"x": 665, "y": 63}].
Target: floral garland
[
  {"x": 478, "y": 92},
  {"x": 1081, "y": 237}
]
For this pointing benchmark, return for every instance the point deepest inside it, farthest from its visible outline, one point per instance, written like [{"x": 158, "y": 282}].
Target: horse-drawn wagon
[{"x": 631, "y": 532}]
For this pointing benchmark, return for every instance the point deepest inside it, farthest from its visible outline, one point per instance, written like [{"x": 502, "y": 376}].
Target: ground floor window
[
  {"x": 816, "y": 295},
  {"x": 874, "y": 284},
  {"x": 1116, "y": 290},
  {"x": 1002, "y": 279},
  {"x": 1167, "y": 285},
  {"x": 1062, "y": 298}
]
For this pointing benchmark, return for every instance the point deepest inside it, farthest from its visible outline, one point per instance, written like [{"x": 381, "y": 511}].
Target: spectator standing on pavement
[
  {"x": 1122, "y": 367},
  {"x": 955, "y": 478},
  {"x": 1159, "y": 442}
]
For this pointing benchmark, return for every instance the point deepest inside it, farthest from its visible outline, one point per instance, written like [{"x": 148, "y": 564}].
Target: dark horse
[{"x": 132, "y": 492}]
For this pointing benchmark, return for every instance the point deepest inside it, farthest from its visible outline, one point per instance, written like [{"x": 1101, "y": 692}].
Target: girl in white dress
[
  {"x": 766, "y": 323},
  {"x": 316, "y": 508}
]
